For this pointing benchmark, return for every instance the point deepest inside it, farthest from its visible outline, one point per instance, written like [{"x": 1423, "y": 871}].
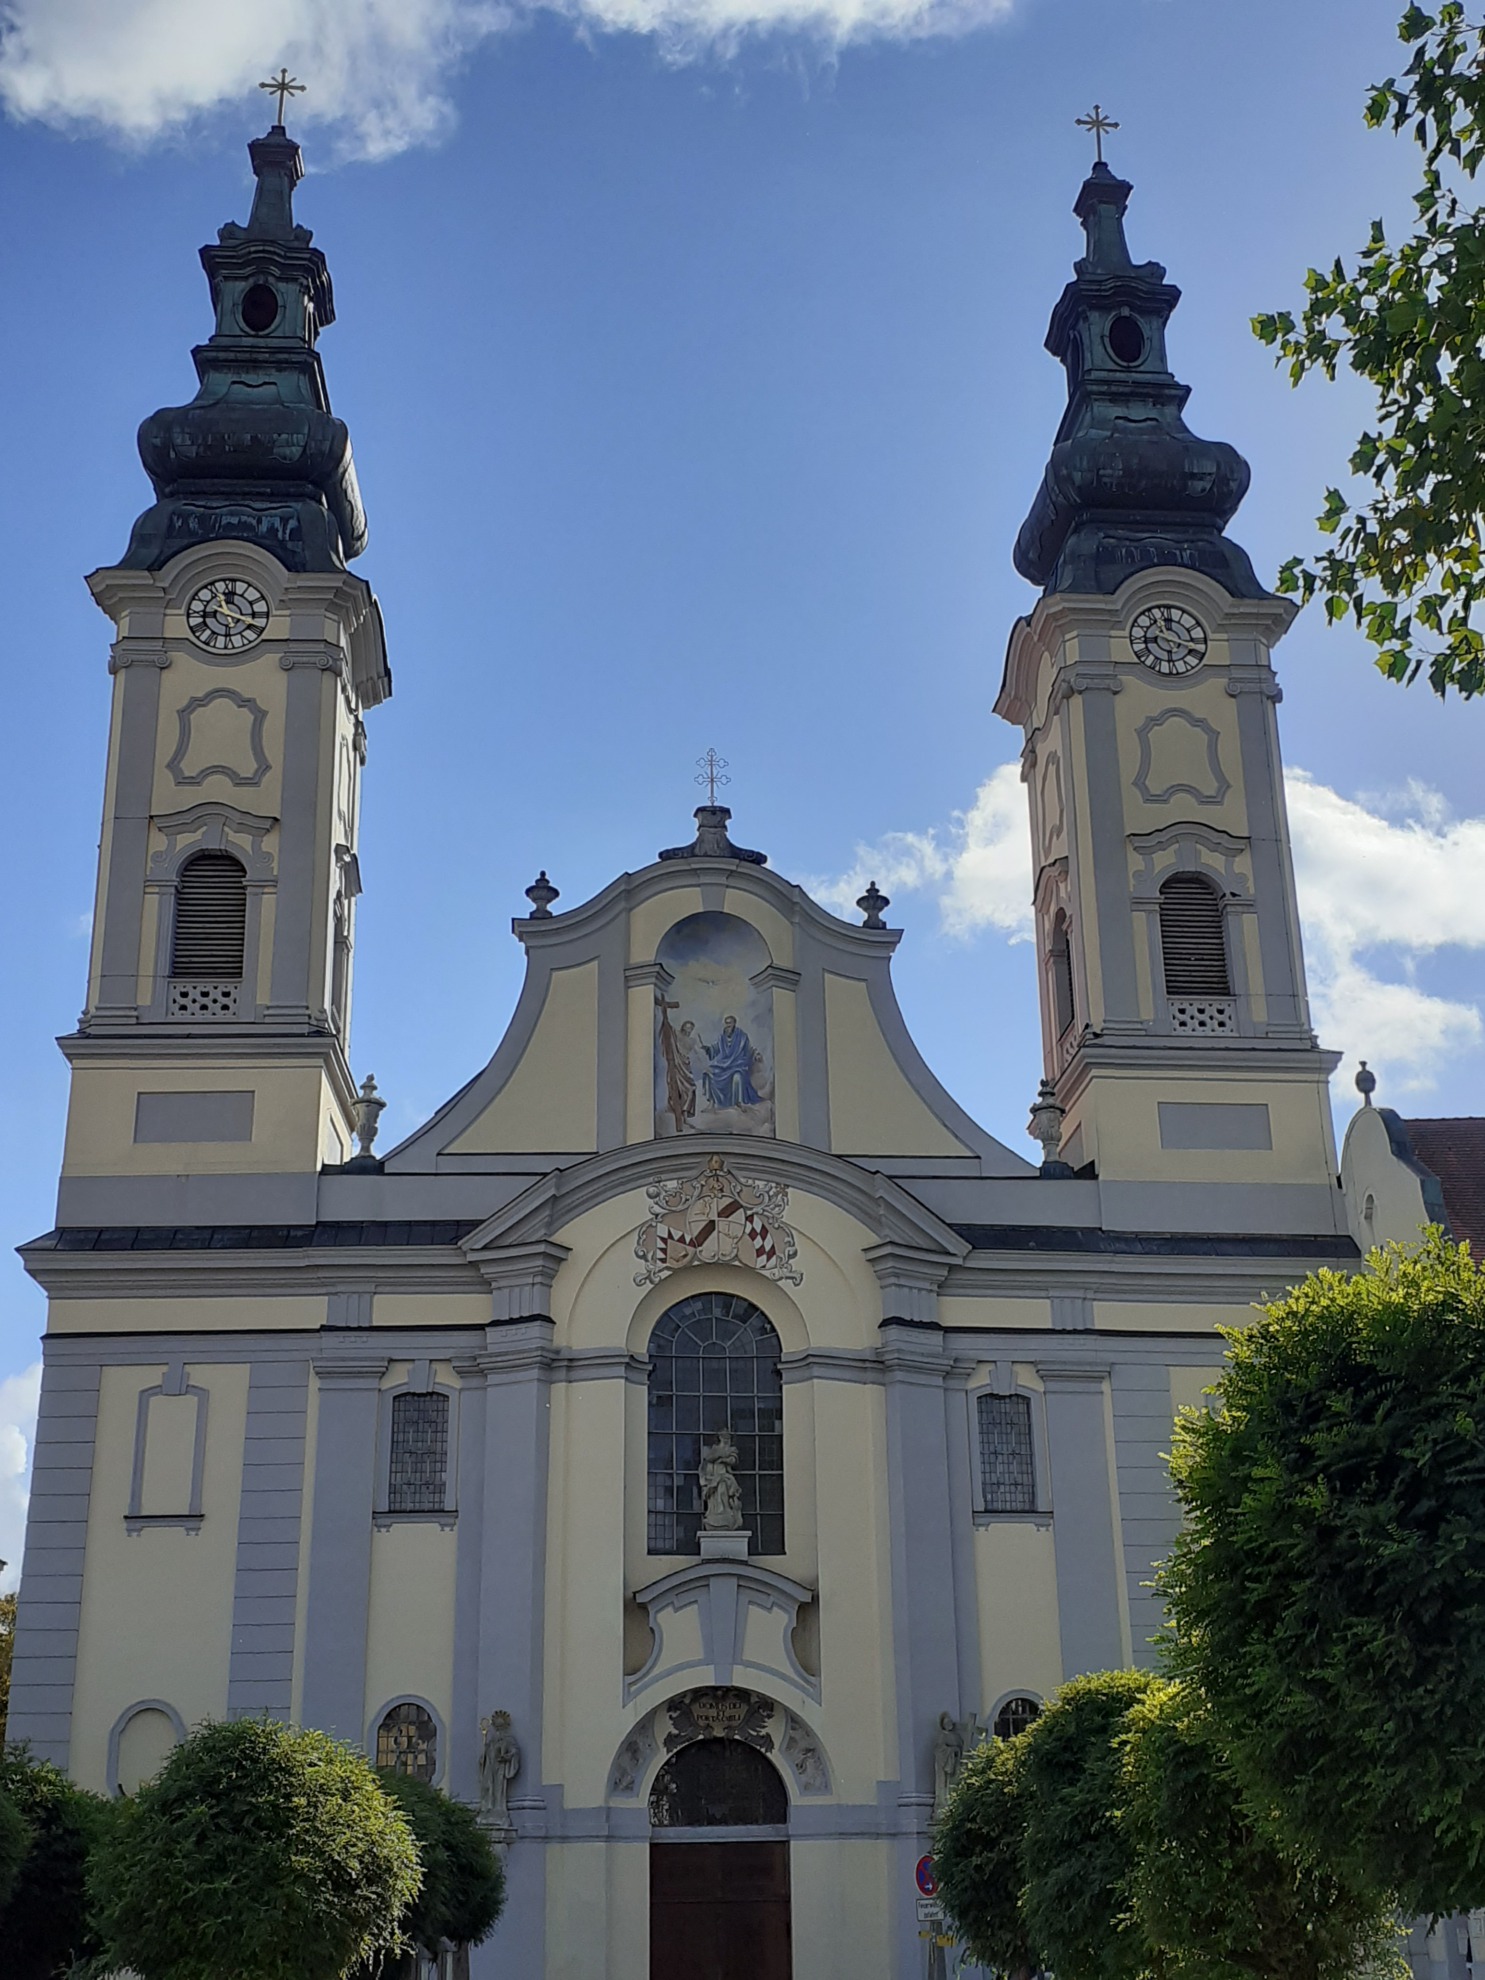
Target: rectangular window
[
  {"x": 420, "y": 1453},
  {"x": 1007, "y": 1475}
]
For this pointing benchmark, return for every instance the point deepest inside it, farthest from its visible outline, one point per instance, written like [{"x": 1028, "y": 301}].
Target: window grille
[
  {"x": 714, "y": 1365},
  {"x": 1007, "y": 1474},
  {"x": 210, "y": 917},
  {"x": 1193, "y": 945},
  {"x": 418, "y": 1479},
  {"x": 407, "y": 1742},
  {"x": 1015, "y": 1716},
  {"x": 718, "y": 1783},
  {"x": 1062, "y": 981}
]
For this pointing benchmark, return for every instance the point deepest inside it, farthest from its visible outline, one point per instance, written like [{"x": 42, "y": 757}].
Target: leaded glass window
[
  {"x": 407, "y": 1742},
  {"x": 714, "y": 1365},
  {"x": 1007, "y": 1474},
  {"x": 1015, "y": 1716},
  {"x": 419, "y": 1475}
]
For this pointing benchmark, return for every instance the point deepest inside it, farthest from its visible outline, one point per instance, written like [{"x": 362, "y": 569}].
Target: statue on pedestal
[
  {"x": 721, "y": 1495},
  {"x": 500, "y": 1762}
]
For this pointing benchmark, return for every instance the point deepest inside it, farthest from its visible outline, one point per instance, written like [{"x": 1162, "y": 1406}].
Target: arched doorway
[{"x": 719, "y": 1866}]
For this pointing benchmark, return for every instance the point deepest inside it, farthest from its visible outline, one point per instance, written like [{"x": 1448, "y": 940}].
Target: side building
[{"x": 700, "y": 1430}]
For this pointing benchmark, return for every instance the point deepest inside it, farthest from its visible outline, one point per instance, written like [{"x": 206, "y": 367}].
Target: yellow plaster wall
[
  {"x": 1372, "y": 1170},
  {"x": 410, "y": 1621},
  {"x": 1169, "y": 1316},
  {"x": 391, "y": 1309},
  {"x": 1126, "y": 1109},
  {"x": 1016, "y": 1583},
  {"x": 550, "y": 1102},
  {"x": 785, "y": 1064},
  {"x": 189, "y": 678},
  {"x": 957, "y": 1310},
  {"x": 841, "y": 1905},
  {"x": 1207, "y": 699},
  {"x": 289, "y": 1106},
  {"x": 193, "y": 1314},
  {"x": 873, "y": 1108},
  {"x": 648, "y": 920},
  {"x": 856, "y": 1716},
  {"x": 157, "y": 1606}
]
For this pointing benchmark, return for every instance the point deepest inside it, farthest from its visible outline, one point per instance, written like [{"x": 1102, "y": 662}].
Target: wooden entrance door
[{"x": 719, "y": 1911}]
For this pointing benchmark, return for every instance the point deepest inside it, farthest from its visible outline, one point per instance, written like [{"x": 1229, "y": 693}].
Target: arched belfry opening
[{"x": 719, "y": 1866}]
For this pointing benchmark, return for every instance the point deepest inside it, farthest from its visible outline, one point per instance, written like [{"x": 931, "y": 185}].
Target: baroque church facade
[{"x": 701, "y": 1430}]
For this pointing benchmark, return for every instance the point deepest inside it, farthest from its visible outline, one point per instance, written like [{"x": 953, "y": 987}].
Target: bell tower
[
  {"x": 1175, "y": 1018},
  {"x": 213, "y": 1041}
]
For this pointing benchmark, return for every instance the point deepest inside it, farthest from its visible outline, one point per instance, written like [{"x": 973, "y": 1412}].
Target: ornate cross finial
[
  {"x": 1099, "y": 125},
  {"x": 711, "y": 771},
  {"x": 283, "y": 85}
]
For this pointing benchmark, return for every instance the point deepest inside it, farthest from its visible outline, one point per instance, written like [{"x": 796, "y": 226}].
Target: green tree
[
  {"x": 1211, "y": 1889},
  {"x": 463, "y": 1887},
  {"x": 15, "y": 1840},
  {"x": 7, "y": 1647},
  {"x": 1327, "y": 1593},
  {"x": 44, "y": 1923},
  {"x": 1076, "y": 1859},
  {"x": 977, "y": 1858},
  {"x": 1410, "y": 320},
  {"x": 259, "y": 1852}
]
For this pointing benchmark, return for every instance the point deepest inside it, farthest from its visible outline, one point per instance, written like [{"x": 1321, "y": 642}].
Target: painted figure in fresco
[
  {"x": 677, "y": 1048},
  {"x": 729, "y": 1079},
  {"x": 721, "y": 1495}
]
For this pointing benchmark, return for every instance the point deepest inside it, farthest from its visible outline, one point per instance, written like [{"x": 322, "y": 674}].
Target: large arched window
[
  {"x": 1193, "y": 944},
  {"x": 714, "y": 1365},
  {"x": 210, "y": 917}
]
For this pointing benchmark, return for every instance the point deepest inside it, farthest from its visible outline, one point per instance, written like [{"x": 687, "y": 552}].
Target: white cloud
[
  {"x": 980, "y": 865},
  {"x": 1385, "y": 882},
  {"x": 18, "y": 1398},
  {"x": 379, "y": 70}
]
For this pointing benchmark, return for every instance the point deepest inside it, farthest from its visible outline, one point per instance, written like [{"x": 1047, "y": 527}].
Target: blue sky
[{"x": 694, "y": 367}]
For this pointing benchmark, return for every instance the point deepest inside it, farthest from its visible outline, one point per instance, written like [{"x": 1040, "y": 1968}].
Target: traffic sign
[
  {"x": 929, "y": 1909},
  {"x": 926, "y": 1881}
]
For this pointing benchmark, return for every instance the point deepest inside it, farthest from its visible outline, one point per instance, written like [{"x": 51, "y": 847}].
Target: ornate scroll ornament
[{"x": 717, "y": 1218}]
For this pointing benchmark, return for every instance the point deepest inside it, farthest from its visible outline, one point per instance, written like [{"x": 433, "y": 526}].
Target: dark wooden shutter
[
  {"x": 1192, "y": 941},
  {"x": 210, "y": 917}
]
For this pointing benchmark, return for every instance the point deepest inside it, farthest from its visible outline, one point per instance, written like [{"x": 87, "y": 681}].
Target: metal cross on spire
[
  {"x": 283, "y": 85},
  {"x": 1098, "y": 125},
  {"x": 712, "y": 771}
]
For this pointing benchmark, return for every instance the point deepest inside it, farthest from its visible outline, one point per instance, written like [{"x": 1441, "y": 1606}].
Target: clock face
[
  {"x": 227, "y": 615},
  {"x": 1168, "y": 639}
]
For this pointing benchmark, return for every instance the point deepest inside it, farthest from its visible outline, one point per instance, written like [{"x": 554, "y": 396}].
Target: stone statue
[
  {"x": 948, "y": 1758},
  {"x": 721, "y": 1495},
  {"x": 500, "y": 1762}
]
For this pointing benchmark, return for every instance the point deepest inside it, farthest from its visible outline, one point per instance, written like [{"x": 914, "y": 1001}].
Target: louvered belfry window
[
  {"x": 210, "y": 917},
  {"x": 1192, "y": 942}
]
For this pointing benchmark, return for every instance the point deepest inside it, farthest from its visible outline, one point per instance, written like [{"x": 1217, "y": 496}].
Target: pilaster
[{"x": 338, "y": 1610}]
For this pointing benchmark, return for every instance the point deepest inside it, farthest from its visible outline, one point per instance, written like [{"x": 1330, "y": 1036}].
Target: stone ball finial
[
  {"x": 872, "y": 903},
  {"x": 541, "y": 893},
  {"x": 1366, "y": 1083}
]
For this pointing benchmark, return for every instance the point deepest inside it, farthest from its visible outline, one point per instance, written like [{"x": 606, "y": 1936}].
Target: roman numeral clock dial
[
  {"x": 227, "y": 615},
  {"x": 1168, "y": 639}
]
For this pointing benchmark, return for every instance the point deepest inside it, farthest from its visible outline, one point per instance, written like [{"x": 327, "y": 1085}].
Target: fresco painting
[{"x": 713, "y": 1030}]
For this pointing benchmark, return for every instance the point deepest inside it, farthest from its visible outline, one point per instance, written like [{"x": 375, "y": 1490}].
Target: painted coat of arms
[{"x": 716, "y": 1218}]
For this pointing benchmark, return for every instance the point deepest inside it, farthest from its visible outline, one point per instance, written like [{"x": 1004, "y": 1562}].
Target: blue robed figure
[{"x": 729, "y": 1077}]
